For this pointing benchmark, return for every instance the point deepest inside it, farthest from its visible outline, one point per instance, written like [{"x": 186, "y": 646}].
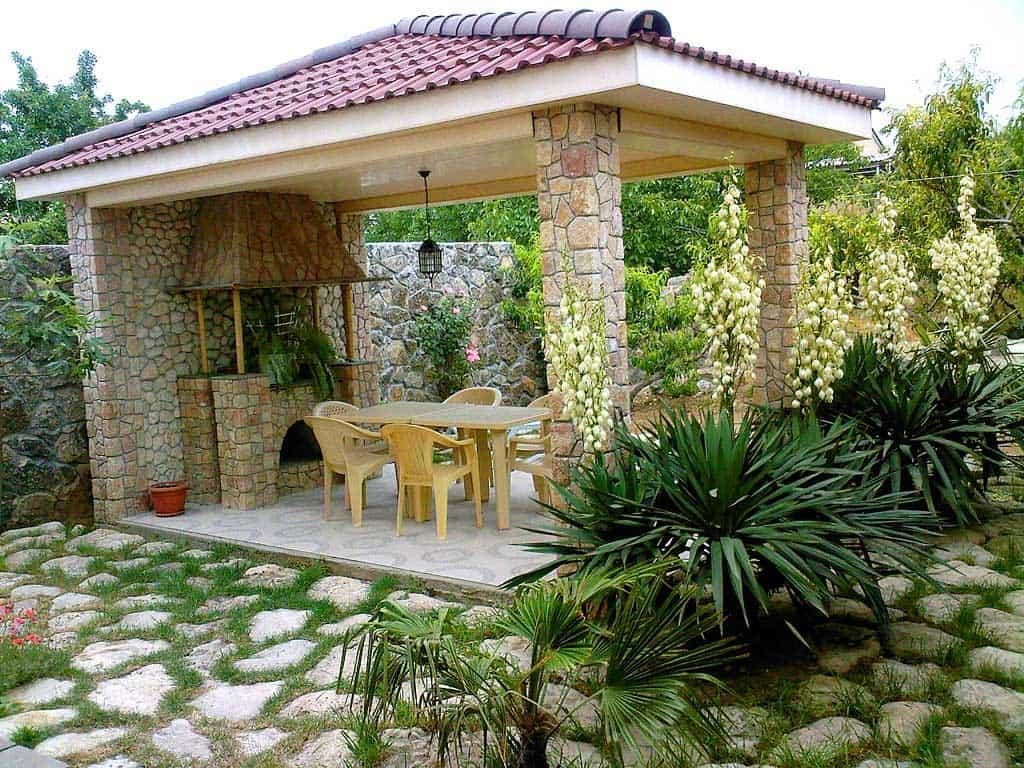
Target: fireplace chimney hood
[{"x": 264, "y": 239}]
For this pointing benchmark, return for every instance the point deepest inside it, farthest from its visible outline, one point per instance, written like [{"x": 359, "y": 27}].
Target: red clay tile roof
[{"x": 410, "y": 62}]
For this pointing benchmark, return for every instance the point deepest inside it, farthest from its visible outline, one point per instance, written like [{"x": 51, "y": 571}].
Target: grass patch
[
  {"x": 29, "y": 736},
  {"x": 19, "y": 665}
]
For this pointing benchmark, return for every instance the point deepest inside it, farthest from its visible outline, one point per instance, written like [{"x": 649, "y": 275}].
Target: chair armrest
[
  {"x": 529, "y": 442},
  {"x": 450, "y": 442},
  {"x": 365, "y": 434}
]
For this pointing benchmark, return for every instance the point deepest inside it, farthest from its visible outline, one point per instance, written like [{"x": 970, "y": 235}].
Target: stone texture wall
[
  {"x": 44, "y": 452},
  {"x": 775, "y": 193},
  {"x": 123, "y": 261},
  {"x": 509, "y": 357},
  {"x": 199, "y": 439},
  {"x": 579, "y": 194}
]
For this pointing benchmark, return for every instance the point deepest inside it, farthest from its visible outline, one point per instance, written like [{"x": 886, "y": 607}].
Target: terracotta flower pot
[{"x": 168, "y": 499}]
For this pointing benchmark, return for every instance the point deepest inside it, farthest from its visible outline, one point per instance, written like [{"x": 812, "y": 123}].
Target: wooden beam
[
  {"x": 697, "y": 139},
  {"x": 204, "y": 361},
  {"x": 236, "y": 306},
  {"x": 320, "y": 161},
  {"x": 462, "y": 193},
  {"x": 348, "y": 310},
  {"x": 667, "y": 167}
]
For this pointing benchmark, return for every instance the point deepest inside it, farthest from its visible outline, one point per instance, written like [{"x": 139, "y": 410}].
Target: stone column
[
  {"x": 579, "y": 195},
  {"x": 97, "y": 243},
  {"x": 776, "y": 198}
]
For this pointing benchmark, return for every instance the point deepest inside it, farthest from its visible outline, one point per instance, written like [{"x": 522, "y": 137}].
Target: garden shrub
[
  {"x": 925, "y": 421},
  {"x": 773, "y": 503},
  {"x": 640, "y": 626},
  {"x": 663, "y": 341},
  {"x": 443, "y": 333}
]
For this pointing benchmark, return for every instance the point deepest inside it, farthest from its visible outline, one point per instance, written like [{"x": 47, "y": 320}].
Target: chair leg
[
  {"x": 441, "y": 509},
  {"x": 401, "y": 509},
  {"x": 328, "y": 487},
  {"x": 354, "y": 483},
  {"x": 474, "y": 472}
]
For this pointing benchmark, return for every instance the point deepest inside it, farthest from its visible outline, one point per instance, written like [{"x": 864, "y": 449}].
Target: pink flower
[
  {"x": 472, "y": 354},
  {"x": 423, "y": 307},
  {"x": 456, "y": 310}
]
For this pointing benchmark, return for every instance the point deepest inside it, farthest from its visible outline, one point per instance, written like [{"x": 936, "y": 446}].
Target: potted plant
[{"x": 168, "y": 498}]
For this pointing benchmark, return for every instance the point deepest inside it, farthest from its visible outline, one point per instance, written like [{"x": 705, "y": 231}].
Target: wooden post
[
  {"x": 348, "y": 310},
  {"x": 236, "y": 303},
  {"x": 204, "y": 363},
  {"x": 314, "y": 304}
]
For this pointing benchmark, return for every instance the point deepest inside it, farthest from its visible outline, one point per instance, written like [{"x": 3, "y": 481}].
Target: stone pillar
[
  {"x": 579, "y": 196},
  {"x": 246, "y": 449},
  {"x": 199, "y": 439},
  {"x": 97, "y": 243},
  {"x": 776, "y": 198}
]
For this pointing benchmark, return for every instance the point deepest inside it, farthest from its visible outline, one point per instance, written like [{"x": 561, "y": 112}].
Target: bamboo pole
[
  {"x": 204, "y": 361},
  {"x": 348, "y": 309},
  {"x": 236, "y": 303}
]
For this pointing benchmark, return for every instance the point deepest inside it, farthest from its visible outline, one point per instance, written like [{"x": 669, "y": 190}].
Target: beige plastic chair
[
  {"x": 347, "y": 450},
  {"x": 339, "y": 409},
  {"x": 334, "y": 409},
  {"x": 412, "y": 448},
  {"x": 478, "y": 396},
  {"x": 531, "y": 453}
]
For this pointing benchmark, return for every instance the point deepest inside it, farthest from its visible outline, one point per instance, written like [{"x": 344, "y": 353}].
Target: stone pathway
[{"x": 199, "y": 656}]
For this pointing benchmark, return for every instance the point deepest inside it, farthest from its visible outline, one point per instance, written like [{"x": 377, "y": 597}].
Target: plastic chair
[
  {"x": 476, "y": 396},
  {"x": 412, "y": 448},
  {"x": 347, "y": 450},
  {"x": 334, "y": 409},
  {"x": 531, "y": 453}
]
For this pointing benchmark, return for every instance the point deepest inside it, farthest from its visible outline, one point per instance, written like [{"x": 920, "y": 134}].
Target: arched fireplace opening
[{"x": 300, "y": 445}]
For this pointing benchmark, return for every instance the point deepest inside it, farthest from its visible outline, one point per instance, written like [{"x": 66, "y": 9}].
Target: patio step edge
[{"x": 455, "y": 589}]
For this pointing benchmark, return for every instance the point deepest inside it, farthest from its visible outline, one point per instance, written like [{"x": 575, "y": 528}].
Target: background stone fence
[
  {"x": 510, "y": 358},
  {"x": 44, "y": 452}
]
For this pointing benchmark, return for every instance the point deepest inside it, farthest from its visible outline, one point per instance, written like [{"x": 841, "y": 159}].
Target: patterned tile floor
[{"x": 484, "y": 556}]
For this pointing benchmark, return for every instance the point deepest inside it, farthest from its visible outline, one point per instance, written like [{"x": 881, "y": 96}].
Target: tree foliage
[{"x": 34, "y": 115}]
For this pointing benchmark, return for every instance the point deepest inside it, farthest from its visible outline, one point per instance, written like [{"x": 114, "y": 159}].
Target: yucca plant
[
  {"x": 634, "y": 636},
  {"x": 766, "y": 505},
  {"x": 925, "y": 422}
]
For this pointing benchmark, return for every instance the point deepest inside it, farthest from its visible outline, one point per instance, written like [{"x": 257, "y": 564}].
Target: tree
[
  {"x": 34, "y": 115},
  {"x": 950, "y": 135}
]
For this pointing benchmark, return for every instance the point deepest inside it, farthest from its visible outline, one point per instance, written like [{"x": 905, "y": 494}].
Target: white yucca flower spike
[
  {"x": 727, "y": 300},
  {"x": 822, "y": 320},
  {"x": 888, "y": 286},
  {"x": 577, "y": 351},
  {"x": 968, "y": 270}
]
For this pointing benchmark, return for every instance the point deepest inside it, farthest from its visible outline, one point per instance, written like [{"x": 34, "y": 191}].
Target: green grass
[
  {"x": 19, "y": 665},
  {"x": 28, "y": 736}
]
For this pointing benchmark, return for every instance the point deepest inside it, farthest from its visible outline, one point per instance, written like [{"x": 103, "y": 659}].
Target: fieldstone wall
[
  {"x": 510, "y": 358},
  {"x": 775, "y": 193},
  {"x": 44, "y": 451}
]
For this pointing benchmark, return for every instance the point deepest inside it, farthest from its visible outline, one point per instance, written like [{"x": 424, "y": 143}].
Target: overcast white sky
[{"x": 166, "y": 51}]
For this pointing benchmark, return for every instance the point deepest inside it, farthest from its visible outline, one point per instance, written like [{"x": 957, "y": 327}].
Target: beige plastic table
[
  {"x": 496, "y": 420},
  {"x": 398, "y": 412}
]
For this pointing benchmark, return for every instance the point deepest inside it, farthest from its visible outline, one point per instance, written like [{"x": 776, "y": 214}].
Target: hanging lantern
[{"x": 430, "y": 252}]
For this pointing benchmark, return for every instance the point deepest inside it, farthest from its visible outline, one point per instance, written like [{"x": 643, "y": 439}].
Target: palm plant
[
  {"x": 766, "y": 505},
  {"x": 640, "y": 654}
]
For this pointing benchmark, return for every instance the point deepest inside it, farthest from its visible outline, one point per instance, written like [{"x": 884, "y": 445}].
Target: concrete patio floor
[{"x": 469, "y": 557}]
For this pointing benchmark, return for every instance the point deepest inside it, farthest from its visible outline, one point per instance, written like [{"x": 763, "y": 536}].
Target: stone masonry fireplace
[{"x": 244, "y": 442}]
